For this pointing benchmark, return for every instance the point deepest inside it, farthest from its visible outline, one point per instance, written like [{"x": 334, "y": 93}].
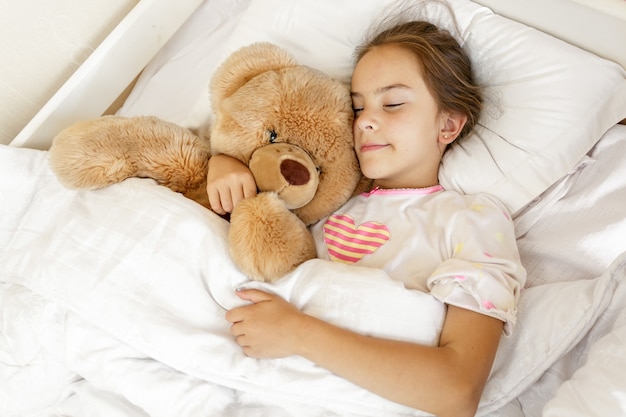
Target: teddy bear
[{"x": 292, "y": 126}]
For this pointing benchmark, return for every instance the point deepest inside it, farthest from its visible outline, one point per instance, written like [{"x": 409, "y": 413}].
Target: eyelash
[{"x": 386, "y": 106}]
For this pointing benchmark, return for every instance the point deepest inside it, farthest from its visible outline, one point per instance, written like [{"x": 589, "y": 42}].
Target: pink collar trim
[{"x": 404, "y": 191}]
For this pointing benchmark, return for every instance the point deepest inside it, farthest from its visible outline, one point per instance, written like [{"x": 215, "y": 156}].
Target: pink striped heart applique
[{"x": 348, "y": 243}]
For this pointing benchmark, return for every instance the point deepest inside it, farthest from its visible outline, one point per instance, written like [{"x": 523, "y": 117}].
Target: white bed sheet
[
  {"x": 128, "y": 311},
  {"x": 573, "y": 232}
]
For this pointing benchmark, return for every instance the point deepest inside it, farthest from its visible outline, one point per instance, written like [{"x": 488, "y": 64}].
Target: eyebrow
[{"x": 382, "y": 90}]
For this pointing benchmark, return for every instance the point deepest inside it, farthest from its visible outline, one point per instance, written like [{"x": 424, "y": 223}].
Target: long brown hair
[{"x": 447, "y": 70}]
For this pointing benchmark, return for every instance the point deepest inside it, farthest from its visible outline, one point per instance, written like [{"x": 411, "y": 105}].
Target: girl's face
[{"x": 398, "y": 128}]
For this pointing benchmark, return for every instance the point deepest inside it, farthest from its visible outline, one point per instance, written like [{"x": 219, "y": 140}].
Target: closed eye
[{"x": 392, "y": 106}]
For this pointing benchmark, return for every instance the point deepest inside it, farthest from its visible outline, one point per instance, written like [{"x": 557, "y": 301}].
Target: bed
[{"x": 112, "y": 301}]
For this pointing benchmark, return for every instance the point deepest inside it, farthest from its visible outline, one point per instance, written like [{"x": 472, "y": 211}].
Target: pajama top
[{"x": 459, "y": 248}]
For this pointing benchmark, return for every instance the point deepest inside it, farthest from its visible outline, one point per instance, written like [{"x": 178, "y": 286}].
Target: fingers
[
  {"x": 224, "y": 198},
  {"x": 240, "y": 338},
  {"x": 239, "y": 327},
  {"x": 254, "y": 296},
  {"x": 264, "y": 328},
  {"x": 215, "y": 200},
  {"x": 238, "y": 314},
  {"x": 229, "y": 182},
  {"x": 248, "y": 186},
  {"x": 243, "y": 187}
]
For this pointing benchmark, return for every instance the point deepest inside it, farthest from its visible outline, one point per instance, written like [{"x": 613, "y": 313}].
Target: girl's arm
[
  {"x": 446, "y": 380},
  {"x": 228, "y": 182}
]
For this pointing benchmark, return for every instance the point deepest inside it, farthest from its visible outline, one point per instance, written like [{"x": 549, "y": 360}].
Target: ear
[
  {"x": 244, "y": 64},
  {"x": 251, "y": 104},
  {"x": 451, "y": 126}
]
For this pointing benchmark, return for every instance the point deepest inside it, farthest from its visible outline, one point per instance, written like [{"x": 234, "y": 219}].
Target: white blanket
[{"x": 112, "y": 302}]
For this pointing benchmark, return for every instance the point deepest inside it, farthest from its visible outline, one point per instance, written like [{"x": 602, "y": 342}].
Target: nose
[
  {"x": 365, "y": 120},
  {"x": 294, "y": 172}
]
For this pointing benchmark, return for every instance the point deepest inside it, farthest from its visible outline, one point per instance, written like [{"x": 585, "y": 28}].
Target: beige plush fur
[
  {"x": 97, "y": 153},
  {"x": 290, "y": 123}
]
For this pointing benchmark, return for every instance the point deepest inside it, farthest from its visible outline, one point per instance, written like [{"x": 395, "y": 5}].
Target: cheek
[{"x": 356, "y": 137}]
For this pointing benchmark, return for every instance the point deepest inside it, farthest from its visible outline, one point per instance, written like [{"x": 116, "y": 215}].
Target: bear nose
[{"x": 294, "y": 172}]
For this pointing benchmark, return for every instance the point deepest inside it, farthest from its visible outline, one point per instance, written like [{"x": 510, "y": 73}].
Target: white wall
[{"x": 43, "y": 43}]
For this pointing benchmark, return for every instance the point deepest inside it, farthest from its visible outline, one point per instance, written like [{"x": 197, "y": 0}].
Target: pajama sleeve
[{"x": 483, "y": 272}]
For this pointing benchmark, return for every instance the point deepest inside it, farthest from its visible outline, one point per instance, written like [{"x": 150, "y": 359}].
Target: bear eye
[{"x": 273, "y": 135}]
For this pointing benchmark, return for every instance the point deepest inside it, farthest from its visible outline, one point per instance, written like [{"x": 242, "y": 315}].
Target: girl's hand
[
  {"x": 270, "y": 327},
  {"x": 228, "y": 182}
]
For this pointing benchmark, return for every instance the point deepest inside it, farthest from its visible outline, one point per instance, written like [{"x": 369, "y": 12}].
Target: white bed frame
[
  {"x": 595, "y": 25},
  {"x": 108, "y": 70}
]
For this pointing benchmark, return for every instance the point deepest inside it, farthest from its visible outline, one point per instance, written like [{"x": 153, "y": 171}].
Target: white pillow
[{"x": 548, "y": 102}]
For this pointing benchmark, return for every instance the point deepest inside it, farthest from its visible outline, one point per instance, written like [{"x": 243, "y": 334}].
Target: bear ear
[
  {"x": 251, "y": 105},
  {"x": 243, "y": 65}
]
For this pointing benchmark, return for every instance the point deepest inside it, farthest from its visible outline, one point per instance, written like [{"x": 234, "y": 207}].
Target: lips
[{"x": 370, "y": 147}]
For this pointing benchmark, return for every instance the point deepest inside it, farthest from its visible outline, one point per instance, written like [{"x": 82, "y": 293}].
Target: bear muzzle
[{"x": 286, "y": 169}]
